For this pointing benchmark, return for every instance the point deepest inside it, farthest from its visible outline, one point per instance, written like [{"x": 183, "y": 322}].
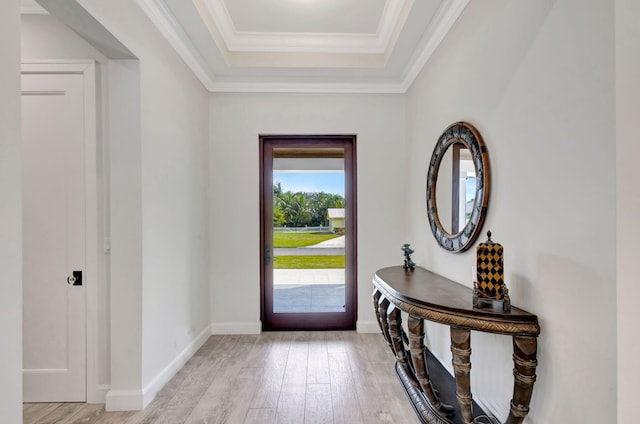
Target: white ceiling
[{"x": 304, "y": 45}]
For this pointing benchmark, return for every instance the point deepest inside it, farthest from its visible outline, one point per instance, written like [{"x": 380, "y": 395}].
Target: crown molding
[
  {"x": 282, "y": 42},
  {"x": 163, "y": 19},
  {"x": 32, "y": 8},
  {"x": 306, "y": 87},
  {"x": 442, "y": 22}
]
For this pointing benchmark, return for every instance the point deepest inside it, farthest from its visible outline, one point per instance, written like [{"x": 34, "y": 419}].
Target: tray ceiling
[{"x": 304, "y": 45}]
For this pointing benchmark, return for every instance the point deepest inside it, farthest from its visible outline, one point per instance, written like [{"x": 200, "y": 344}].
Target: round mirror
[
  {"x": 455, "y": 188},
  {"x": 458, "y": 187}
]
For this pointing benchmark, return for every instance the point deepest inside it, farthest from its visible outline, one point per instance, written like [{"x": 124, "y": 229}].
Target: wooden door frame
[
  {"x": 311, "y": 321},
  {"x": 93, "y": 259}
]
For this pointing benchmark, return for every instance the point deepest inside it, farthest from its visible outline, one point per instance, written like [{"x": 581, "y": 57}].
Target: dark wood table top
[{"x": 435, "y": 297}]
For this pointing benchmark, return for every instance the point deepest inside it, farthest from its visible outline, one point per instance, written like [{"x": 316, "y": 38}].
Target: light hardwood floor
[{"x": 275, "y": 377}]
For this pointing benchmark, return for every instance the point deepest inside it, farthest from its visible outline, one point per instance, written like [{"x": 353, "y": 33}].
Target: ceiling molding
[
  {"x": 30, "y": 7},
  {"x": 393, "y": 21},
  {"x": 308, "y": 59},
  {"x": 442, "y": 22},
  {"x": 163, "y": 19},
  {"x": 283, "y": 42},
  {"x": 307, "y": 87}
]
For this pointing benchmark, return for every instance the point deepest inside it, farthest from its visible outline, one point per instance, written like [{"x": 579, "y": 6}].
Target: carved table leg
[
  {"x": 376, "y": 300},
  {"x": 394, "y": 318},
  {"x": 461, "y": 349},
  {"x": 383, "y": 307},
  {"x": 524, "y": 375},
  {"x": 416, "y": 342},
  {"x": 376, "y": 306}
]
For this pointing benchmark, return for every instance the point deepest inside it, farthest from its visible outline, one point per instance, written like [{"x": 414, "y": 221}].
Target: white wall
[
  {"x": 158, "y": 155},
  {"x": 537, "y": 80},
  {"x": 175, "y": 212},
  {"x": 174, "y": 186},
  {"x": 236, "y": 120},
  {"x": 628, "y": 205},
  {"x": 10, "y": 216}
]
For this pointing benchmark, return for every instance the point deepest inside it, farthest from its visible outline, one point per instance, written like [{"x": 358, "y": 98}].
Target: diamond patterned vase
[{"x": 490, "y": 270}]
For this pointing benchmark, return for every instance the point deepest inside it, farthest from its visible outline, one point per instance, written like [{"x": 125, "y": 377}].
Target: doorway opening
[
  {"x": 59, "y": 181},
  {"x": 308, "y": 232},
  {"x": 113, "y": 73}
]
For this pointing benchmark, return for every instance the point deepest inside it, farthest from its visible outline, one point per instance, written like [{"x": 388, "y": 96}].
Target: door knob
[{"x": 75, "y": 279}]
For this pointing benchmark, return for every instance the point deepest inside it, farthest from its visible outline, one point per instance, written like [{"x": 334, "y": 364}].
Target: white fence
[{"x": 320, "y": 229}]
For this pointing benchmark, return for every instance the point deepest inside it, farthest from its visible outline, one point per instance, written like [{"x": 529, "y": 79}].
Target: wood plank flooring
[{"x": 275, "y": 377}]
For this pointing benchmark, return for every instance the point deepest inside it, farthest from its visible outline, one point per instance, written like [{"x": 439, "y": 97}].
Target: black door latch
[{"x": 75, "y": 279}]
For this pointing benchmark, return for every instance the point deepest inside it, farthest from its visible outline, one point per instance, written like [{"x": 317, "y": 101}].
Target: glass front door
[{"x": 308, "y": 228}]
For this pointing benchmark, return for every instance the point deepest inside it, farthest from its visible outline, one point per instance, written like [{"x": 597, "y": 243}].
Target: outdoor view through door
[{"x": 308, "y": 232}]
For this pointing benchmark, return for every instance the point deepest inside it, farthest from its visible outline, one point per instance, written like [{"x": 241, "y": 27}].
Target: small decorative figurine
[
  {"x": 408, "y": 263},
  {"x": 489, "y": 288}
]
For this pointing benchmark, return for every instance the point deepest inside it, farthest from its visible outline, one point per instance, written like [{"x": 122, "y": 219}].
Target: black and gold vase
[{"x": 489, "y": 288}]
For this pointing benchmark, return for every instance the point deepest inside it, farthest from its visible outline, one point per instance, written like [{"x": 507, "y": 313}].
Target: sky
[{"x": 328, "y": 182}]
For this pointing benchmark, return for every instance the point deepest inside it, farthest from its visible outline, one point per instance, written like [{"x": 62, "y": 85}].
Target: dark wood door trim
[{"x": 307, "y": 321}]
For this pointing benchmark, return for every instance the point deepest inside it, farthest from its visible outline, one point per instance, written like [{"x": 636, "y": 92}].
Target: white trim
[
  {"x": 32, "y": 8},
  {"x": 285, "y": 87},
  {"x": 94, "y": 391},
  {"x": 367, "y": 327},
  {"x": 166, "y": 23},
  {"x": 164, "y": 20},
  {"x": 236, "y": 328},
  {"x": 163, "y": 377},
  {"x": 93, "y": 255},
  {"x": 124, "y": 400},
  {"x": 100, "y": 394},
  {"x": 392, "y": 21},
  {"x": 56, "y": 66},
  {"x": 305, "y": 43},
  {"x": 238, "y": 41},
  {"x": 442, "y": 22}
]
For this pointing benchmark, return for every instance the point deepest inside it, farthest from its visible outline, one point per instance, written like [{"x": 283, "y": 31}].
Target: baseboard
[
  {"x": 135, "y": 400},
  {"x": 367, "y": 327},
  {"x": 236, "y": 328},
  {"x": 158, "y": 382},
  {"x": 99, "y": 395},
  {"x": 124, "y": 400}
]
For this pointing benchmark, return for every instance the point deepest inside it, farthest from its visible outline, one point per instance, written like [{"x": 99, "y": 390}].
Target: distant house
[{"x": 336, "y": 219}]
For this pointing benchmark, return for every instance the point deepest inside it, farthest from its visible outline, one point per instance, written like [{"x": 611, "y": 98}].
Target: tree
[
  {"x": 300, "y": 209},
  {"x": 278, "y": 217},
  {"x": 296, "y": 209},
  {"x": 320, "y": 203}
]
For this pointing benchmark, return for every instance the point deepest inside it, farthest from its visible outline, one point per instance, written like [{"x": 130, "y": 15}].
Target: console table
[{"x": 425, "y": 295}]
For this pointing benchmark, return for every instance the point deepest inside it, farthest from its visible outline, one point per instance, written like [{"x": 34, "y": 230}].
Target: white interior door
[{"x": 54, "y": 328}]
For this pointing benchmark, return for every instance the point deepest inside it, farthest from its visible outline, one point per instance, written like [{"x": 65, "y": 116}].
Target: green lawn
[
  {"x": 284, "y": 239},
  {"x": 308, "y": 262}
]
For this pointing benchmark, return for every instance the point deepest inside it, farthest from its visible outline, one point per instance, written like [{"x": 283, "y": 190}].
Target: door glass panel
[{"x": 309, "y": 231}]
